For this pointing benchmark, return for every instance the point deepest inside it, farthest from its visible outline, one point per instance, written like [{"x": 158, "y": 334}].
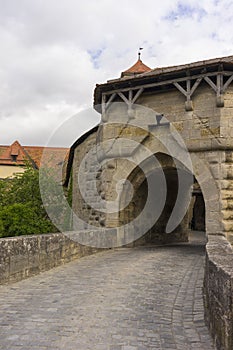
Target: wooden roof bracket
[
  {"x": 105, "y": 104},
  {"x": 219, "y": 88},
  {"x": 130, "y": 101},
  {"x": 188, "y": 92},
  {"x": 191, "y": 82}
]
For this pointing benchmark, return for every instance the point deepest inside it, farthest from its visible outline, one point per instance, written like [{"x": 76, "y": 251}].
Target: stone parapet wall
[
  {"x": 218, "y": 291},
  {"x": 25, "y": 256}
]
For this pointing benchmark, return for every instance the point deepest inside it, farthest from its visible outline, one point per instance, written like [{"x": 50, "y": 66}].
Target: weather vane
[{"x": 139, "y": 53}]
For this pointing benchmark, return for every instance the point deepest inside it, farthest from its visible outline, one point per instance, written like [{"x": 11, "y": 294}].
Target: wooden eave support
[
  {"x": 106, "y": 104},
  {"x": 130, "y": 101},
  {"x": 167, "y": 82},
  {"x": 218, "y": 88},
  {"x": 129, "y": 96},
  {"x": 188, "y": 92}
]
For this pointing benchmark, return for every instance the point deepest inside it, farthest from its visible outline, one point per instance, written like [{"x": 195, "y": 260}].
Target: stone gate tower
[{"x": 169, "y": 127}]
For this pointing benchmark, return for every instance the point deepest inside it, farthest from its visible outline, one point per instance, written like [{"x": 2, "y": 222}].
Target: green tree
[
  {"x": 22, "y": 219},
  {"x": 21, "y": 206}
]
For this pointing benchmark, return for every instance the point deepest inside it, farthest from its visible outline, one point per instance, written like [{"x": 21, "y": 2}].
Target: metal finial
[{"x": 139, "y": 53}]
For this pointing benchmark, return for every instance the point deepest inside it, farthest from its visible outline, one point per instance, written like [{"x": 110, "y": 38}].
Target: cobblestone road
[{"x": 126, "y": 299}]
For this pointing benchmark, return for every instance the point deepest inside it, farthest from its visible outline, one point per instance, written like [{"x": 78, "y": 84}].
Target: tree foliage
[{"x": 21, "y": 207}]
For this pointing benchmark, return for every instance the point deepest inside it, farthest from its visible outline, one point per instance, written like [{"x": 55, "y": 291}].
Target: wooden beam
[
  {"x": 188, "y": 87},
  {"x": 227, "y": 73},
  {"x": 180, "y": 89},
  {"x": 210, "y": 82},
  {"x": 166, "y": 82},
  {"x": 122, "y": 96},
  {"x": 110, "y": 100},
  {"x": 103, "y": 101},
  {"x": 227, "y": 83},
  {"x": 139, "y": 92},
  {"x": 187, "y": 94},
  {"x": 172, "y": 81},
  {"x": 130, "y": 96},
  {"x": 103, "y": 107},
  {"x": 197, "y": 82},
  {"x": 219, "y": 84},
  {"x": 190, "y": 90}
]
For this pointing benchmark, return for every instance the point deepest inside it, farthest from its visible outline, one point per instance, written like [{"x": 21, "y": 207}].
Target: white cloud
[{"x": 54, "y": 52}]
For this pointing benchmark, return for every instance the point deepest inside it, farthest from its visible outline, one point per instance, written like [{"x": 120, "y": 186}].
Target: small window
[{"x": 14, "y": 158}]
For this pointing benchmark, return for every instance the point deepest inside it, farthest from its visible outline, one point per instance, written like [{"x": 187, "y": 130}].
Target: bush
[
  {"x": 22, "y": 219},
  {"x": 21, "y": 207}
]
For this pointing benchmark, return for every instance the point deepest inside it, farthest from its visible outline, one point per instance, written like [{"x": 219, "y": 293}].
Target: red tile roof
[
  {"x": 12, "y": 155},
  {"x": 16, "y": 154},
  {"x": 138, "y": 68}
]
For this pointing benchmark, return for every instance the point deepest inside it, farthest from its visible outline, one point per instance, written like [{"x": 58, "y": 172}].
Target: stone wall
[
  {"x": 25, "y": 256},
  {"x": 87, "y": 205},
  {"x": 206, "y": 132},
  {"x": 218, "y": 291},
  {"x": 199, "y": 128}
]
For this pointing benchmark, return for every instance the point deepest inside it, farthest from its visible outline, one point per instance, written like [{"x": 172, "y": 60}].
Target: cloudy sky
[{"x": 53, "y": 52}]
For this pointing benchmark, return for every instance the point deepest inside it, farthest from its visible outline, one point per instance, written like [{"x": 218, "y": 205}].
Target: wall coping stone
[
  {"x": 218, "y": 291},
  {"x": 25, "y": 256}
]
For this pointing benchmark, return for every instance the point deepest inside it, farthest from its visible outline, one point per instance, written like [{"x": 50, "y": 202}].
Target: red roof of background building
[
  {"x": 16, "y": 154},
  {"x": 12, "y": 155}
]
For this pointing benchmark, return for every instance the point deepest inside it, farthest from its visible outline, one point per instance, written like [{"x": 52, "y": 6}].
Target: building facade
[
  {"x": 165, "y": 138},
  {"x": 15, "y": 157}
]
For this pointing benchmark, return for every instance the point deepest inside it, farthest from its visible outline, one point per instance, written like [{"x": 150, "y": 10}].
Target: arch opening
[
  {"x": 191, "y": 204},
  {"x": 197, "y": 210}
]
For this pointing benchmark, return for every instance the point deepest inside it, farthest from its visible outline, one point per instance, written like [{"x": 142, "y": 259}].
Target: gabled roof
[
  {"x": 52, "y": 156},
  {"x": 15, "y": 154},
  {"x": 138, "y": 68}
]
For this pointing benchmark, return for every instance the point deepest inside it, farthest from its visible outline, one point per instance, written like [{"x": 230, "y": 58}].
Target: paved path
[{"x": 127, "y": 299}]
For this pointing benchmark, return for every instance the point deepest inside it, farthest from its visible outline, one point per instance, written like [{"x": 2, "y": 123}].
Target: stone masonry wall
[
  {"x": 206, "y": 131},
  {"x": 87, "y": 204},
  {"x": 218, "y": 291},
  {"x": 199, "y": 128},
  {"x": 25, "y": 256},
  {"x": 227, "y": 194}
]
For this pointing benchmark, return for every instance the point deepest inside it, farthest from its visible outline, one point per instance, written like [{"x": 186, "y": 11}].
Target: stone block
[
  {"x": 227, "y": 171},
  {"x": 216, "y": 171},
  {"x": 218, "y": 291},
  {"x": 227, "y": 214},
  {"x": 188, "y": 106},
  {"x": 227, "y": 195},
  {"x": 228, "y": 225},
  {"x": 179, "y": 126},
  {"x": 220, "y": 101},
  {"x": 226, "y": 184},
  {"x": 226, "y": 205},
  {"x": 229, "y": 236},
  {"x": 26, "y": 256}
]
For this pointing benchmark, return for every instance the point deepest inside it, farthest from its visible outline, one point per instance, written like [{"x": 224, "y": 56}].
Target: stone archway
[
  {"x": 197, "y": 203},
  {"x": 162, "y": 210}
]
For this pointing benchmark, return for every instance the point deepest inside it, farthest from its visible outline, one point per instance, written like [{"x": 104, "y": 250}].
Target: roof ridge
[{"x": 199, "y": 62}]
